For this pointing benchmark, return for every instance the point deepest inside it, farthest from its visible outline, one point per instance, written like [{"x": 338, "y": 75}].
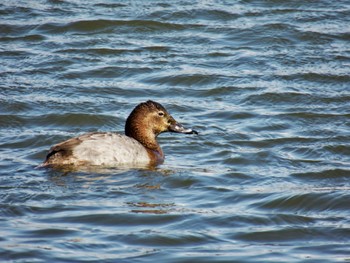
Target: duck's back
[{"x": 99, "y": 148}]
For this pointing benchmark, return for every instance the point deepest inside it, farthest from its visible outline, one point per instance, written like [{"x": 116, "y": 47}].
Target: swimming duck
[{"x": 138, "y": 146}]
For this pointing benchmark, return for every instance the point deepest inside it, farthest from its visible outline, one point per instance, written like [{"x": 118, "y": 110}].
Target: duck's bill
[{"x": 181, "y": 129}]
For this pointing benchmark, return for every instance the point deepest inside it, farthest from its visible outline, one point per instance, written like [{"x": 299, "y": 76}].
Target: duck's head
[{"x": 149, "y": 119}]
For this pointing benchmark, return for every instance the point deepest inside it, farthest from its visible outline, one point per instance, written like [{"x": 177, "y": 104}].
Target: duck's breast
[{"x": 110, "y": 149}]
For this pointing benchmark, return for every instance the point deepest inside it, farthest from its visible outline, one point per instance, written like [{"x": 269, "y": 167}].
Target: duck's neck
[{"x": 149, "y": 141}]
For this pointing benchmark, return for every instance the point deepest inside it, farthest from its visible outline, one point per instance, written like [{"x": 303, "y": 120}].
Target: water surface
[{"x": 267, "y": 85}]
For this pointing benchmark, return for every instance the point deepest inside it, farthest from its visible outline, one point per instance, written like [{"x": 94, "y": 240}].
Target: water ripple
[{"x": 266, "y": 85}]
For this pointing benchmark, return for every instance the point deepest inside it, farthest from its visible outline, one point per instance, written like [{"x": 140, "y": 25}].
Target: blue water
[{"x": 266, "y": 84}]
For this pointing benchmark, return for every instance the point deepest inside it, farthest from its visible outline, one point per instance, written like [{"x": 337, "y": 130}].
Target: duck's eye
[{"x": 161, "y": 114}]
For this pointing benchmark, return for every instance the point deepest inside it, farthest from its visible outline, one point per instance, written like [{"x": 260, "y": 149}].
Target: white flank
[{"x": 111, "y": 149}]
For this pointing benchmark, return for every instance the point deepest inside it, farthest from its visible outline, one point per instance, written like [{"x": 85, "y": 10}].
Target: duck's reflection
[
  {"x": 151, "y": 208},
  {"x": 135, "y": 186}
]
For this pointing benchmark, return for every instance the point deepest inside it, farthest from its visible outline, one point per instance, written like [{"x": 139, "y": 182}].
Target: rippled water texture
[{"x": 267, "y": 85}]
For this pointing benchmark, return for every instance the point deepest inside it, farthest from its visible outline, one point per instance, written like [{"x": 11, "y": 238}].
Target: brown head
[{"x": 148, "y": 120}]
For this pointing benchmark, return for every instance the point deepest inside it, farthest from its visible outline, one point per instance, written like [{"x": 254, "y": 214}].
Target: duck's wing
[
  {"x": 97, "y": 148},
  {"x": 64, "y": 150}
]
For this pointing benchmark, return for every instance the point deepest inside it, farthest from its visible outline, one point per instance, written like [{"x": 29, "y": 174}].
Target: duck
[{"x": 137, "y": 147}]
